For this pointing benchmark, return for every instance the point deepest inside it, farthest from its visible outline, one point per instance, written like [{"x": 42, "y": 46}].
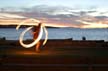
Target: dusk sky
[
  {"x": 76, "y": 13},
  {"x": 70, "y": 3}
]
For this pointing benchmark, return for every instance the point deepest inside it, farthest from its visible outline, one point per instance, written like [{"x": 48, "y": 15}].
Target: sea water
[{"x": 58, "y": 33}]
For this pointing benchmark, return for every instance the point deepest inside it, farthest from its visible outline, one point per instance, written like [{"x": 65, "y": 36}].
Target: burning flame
[
  {"x": 27, "y": 20},
  {"x": 41, "y": 28}
]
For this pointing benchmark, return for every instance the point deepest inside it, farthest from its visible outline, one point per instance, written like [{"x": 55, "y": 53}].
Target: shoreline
[{"x": 59, "y": 42}]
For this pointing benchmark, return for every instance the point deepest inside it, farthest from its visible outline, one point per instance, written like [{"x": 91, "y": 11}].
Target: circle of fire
[{"x": 41, "y": 28}]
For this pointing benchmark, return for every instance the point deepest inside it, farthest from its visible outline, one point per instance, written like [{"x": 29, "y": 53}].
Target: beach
[
  {"x": 53, "y": 35},
  {"x": 57, "y": 54}
]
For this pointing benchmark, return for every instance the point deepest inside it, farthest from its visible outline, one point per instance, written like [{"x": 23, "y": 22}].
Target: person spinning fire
[{"x": 35, "y": 32}]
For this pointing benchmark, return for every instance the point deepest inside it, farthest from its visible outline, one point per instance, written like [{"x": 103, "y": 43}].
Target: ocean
[{"x": 58, "y": 33}]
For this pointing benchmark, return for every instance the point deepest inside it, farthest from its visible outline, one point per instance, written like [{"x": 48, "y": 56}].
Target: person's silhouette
[{"x": 36, "y": 31}]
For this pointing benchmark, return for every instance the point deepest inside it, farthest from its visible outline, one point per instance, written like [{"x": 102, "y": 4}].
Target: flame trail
[
  {"x": 42, "y": 27},
  {"x": 33, "y": 43},
  {"x": 31, "y": 19},
  {"x": 46, "y": 36}
]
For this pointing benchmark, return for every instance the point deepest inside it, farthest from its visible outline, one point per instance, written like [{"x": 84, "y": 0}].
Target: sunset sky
[{"x": 91, "y": 13}]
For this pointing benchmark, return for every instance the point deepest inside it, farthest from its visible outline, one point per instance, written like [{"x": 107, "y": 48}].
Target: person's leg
[{"x": 37, "y": 48}]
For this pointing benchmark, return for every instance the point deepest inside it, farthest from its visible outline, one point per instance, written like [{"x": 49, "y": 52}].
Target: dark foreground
[{"x": 57, "y": 55}]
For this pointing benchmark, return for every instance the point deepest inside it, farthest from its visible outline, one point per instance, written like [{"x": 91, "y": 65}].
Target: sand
[{"x": 57, "y": 55}]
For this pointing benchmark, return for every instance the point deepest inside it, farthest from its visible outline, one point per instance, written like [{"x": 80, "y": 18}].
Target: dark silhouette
[
  {"x": 36, "y": 30},
  {"x": 83, "y": 38}
]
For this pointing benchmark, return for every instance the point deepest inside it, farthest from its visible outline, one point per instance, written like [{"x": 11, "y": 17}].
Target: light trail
[
  {"x": 27, "y": 20},
  {"x": 46, "y": 36},
  {"x": 41, "y": 28}
]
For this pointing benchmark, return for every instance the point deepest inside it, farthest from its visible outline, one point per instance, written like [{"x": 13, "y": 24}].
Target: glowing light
[
  {"x": 42, "y": 27},
  {"x": 31, "y": 19},
  {"x": 46, "y": 36},
  {"x": 33, "y": 43}
]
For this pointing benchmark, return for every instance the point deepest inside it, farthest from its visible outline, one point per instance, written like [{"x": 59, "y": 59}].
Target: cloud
[
  {"x": 93, "y": 24},
  {"x": 7, "y": 15},
  {"x": 60, "y": 16}
]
